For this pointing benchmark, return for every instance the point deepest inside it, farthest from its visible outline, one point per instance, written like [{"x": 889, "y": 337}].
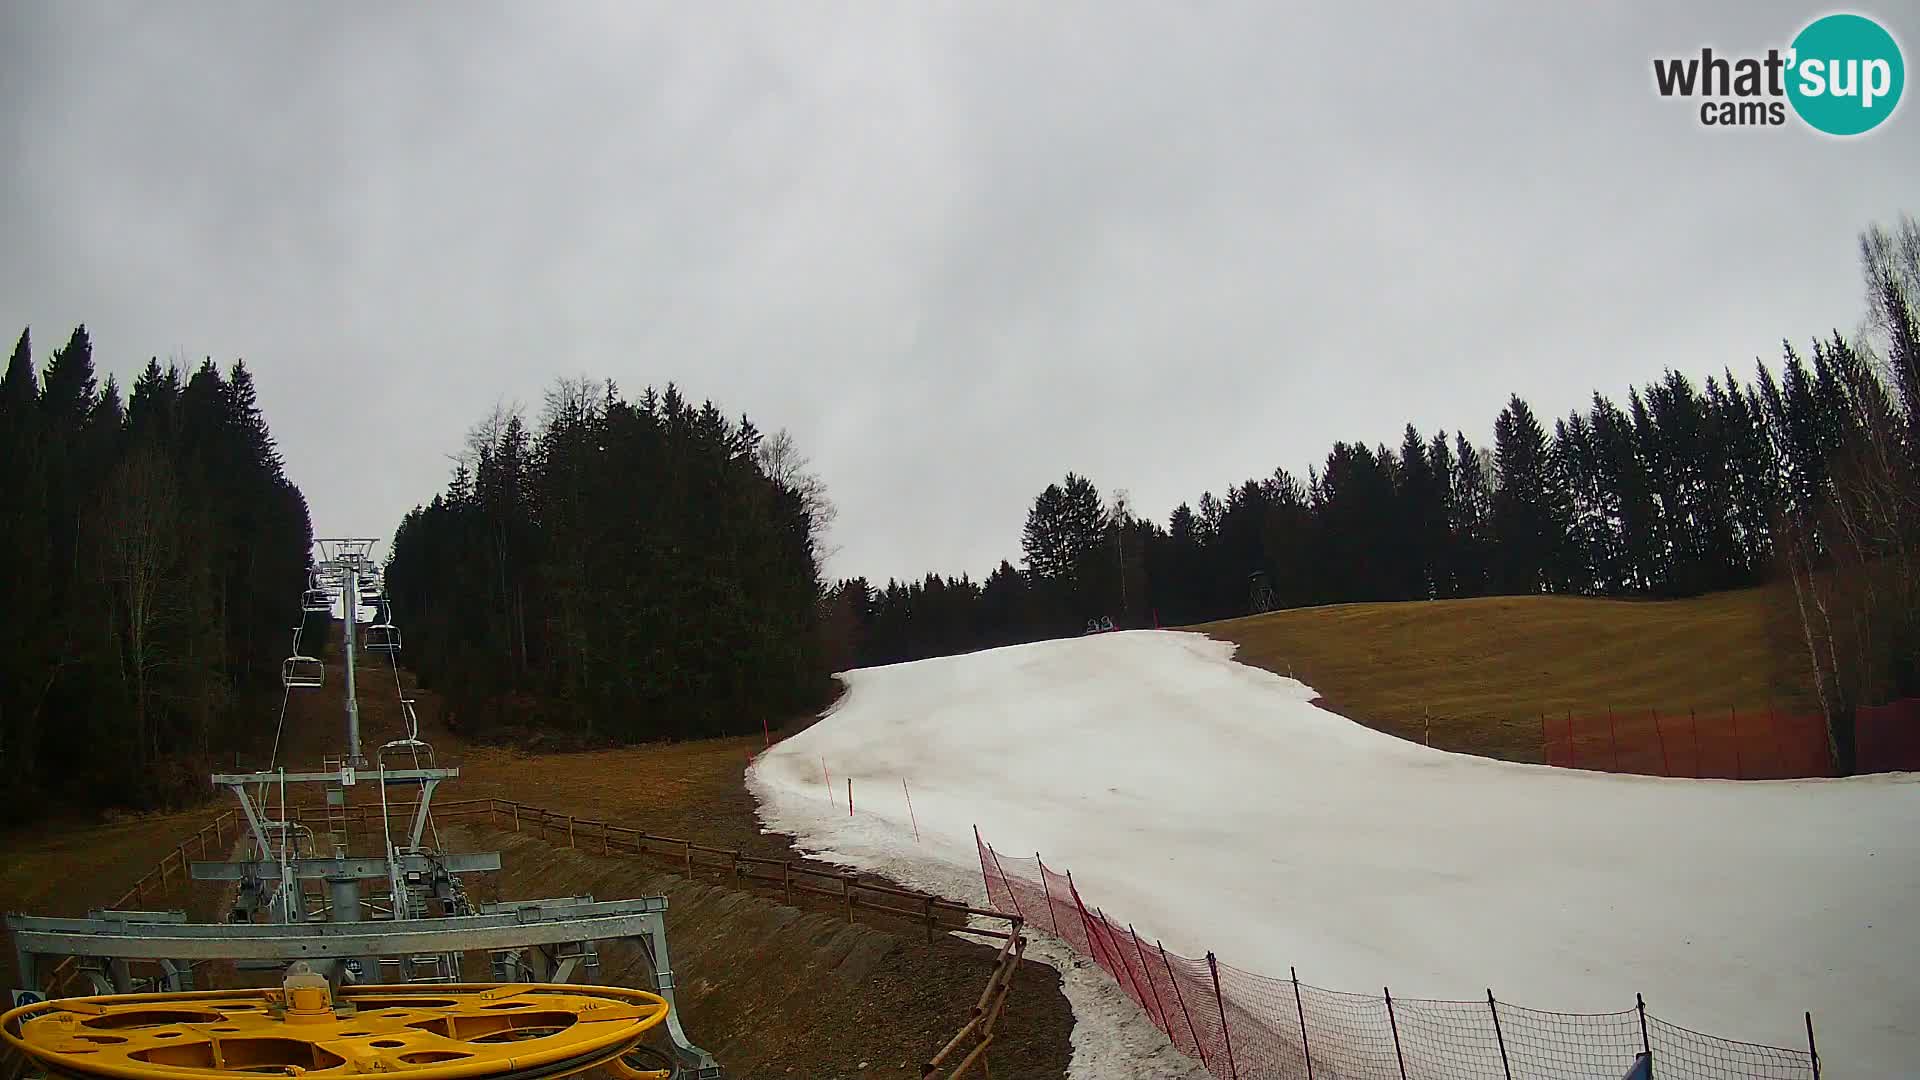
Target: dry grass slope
[{"x": 1485, "y": 669}]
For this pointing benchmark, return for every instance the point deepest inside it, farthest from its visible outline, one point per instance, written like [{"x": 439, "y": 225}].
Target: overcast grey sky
[{"x": 958, "y": 249}]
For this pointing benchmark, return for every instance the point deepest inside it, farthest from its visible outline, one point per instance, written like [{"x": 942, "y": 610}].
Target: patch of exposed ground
[{"x": 777, "y": 991}]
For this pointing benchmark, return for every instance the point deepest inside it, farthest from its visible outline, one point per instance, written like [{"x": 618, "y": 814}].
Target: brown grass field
[{"x": 1483, "y": 671}]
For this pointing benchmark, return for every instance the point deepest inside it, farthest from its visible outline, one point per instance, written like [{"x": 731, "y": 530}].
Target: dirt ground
[{"x": 777, "y": 991}]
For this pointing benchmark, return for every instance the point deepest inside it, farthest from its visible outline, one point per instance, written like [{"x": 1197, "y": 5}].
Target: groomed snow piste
[{"x": 1210, "y": 805}]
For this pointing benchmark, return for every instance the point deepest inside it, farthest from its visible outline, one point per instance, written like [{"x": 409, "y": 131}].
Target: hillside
[
  {"x": 1485, "y": 669},
  {"x": 1212, "y": 807}
]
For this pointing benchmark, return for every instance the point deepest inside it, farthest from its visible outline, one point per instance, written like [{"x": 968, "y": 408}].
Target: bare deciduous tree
[
  {"x": 140, "y": 536},
  {"x": 1853, "y": 556},
  {"x": 784, "y": 464}
]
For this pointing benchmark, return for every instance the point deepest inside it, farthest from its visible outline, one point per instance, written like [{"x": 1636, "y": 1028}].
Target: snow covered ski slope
[{"x": 1210, "y": 805}]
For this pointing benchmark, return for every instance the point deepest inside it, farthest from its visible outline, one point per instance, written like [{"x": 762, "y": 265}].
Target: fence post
[
  {"x": 846, "y": 893},
  {"x": 606, "y": 845},
  {"x": 516, "y": 816},
  {"x": 569, "y": 830},
  {"x": 1046, "y": 891},
  {"x": 1302, "y": 1010},
  {"x": 689, "y": 844},
  {"x": 1811, "y": 1049},
  {"x": 1005, "y": 882},
  {"x": 1613, "y": 736},
  {"x": 786, "y": 881},
  {"x": 1646, "y": 1047},
  {"x": 1120, "y": 962},
  {"x": 1694, "y": 722},
  {"x": 1666, "y": 764},
  {"x": 1182, "y": 1000},
  {"x": 1165, "y": 1025},
  {"x": 910, "y": 814},
  {"x": 1546, "y": 746},
  {"x": 1505, "y": 1068},
  {"x": 1094, "y": 951},
  {"x": 1739, "y": 763},
  {"x": 1394, "y": 1025},
  {"x": 1213, "y": 966}
]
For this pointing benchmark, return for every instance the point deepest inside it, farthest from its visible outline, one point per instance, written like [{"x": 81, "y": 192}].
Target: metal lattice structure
[
  {"x": 355, "y": 922},
  {"x": 1259, "y": 592}
]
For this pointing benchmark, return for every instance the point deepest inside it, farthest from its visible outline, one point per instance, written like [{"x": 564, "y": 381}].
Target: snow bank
[{"x": 1210, "y": 805}]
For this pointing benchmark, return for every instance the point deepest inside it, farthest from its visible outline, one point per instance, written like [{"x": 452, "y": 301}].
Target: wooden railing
[
  {"x": 791, "y": 876},
  {"x": 595, "y": 836}
]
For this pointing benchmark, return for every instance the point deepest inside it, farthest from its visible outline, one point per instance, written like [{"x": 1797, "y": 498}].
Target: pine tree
[
  {"x": 68, "y": 391},
  {"x": 116, "y": 605},
  {"x": 1529, "y": 517},
  {"x": 18, "y": 392},
  {"x": 1421, "y": 510}
]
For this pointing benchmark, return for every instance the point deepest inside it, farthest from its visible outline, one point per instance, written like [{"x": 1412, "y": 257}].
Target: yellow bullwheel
[{"x": 506, "y": 1031}]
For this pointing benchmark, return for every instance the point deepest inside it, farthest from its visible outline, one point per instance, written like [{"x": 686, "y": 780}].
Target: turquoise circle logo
[{"x": 1847, "y": 74}]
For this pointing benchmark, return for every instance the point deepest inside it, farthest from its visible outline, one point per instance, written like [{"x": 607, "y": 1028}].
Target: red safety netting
[
  {"x": 1731, "y": 744},
  {"x": 1725, "y": 743},
  {"x": 1887, "y": 737},
  {"x": 1244, "y": 1026}
]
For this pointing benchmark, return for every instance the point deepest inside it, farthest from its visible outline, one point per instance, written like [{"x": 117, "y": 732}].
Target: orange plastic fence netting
[
  {"x": 1729, "y": 744},
  {"x": 1887, "y": 737},
  {"x": 1244, "y": 1026}
]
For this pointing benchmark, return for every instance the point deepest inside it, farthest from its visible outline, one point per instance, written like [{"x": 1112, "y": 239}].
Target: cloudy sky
[{"x": 958, "y": 249}]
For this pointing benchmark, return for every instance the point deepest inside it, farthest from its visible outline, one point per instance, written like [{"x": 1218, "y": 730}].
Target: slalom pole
[
  {"x": 849, "y": 796},
  {"x": 829, "y": 776},
  {"x": 910, "y": 816}
]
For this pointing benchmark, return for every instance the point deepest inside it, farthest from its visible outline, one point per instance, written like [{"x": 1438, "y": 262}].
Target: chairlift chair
[
  {"x": 317, "y": 601},
  {"x": 383, "y": 637},
  {"x": 414, "y": 745},
  {"x": 302, "y": 672}
]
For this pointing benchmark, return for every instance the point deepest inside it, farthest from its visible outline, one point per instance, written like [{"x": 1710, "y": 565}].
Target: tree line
[
  {"x": 624, "y": 570},
  {"x": 1807, "y": 476},
  {"x": 155, "y": 552}
]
